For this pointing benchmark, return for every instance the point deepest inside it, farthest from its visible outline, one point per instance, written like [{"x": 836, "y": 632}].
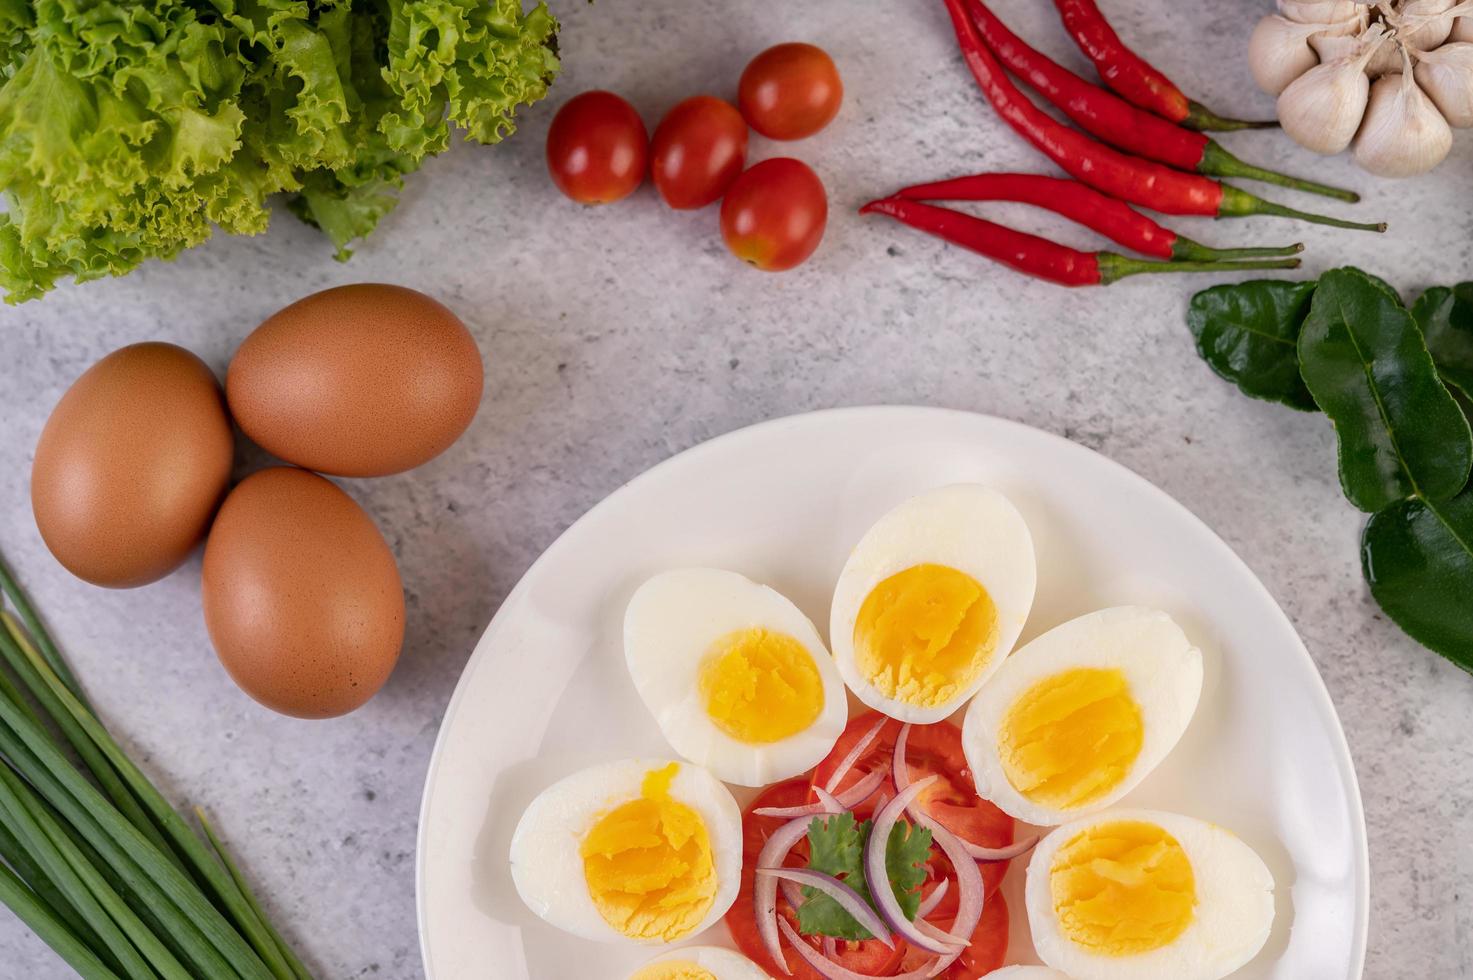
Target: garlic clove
[
  {"x": 1446, "y": 75},
  {"x": 1462, "y": 29},
  {"x": 1426, "y": 24},
  {"x": 1340, "y": 40},
  {"x": 1319, "y": 11},
  {"x": 1322, "y": 109},
  {"x": 1279, "y": 52},
  {"x": 1387, "y": 58},
  {"x": 1403, "y": 133}
]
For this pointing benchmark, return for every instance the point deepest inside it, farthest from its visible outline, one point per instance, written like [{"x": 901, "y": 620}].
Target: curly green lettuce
[{"x": 130, "y": 129}]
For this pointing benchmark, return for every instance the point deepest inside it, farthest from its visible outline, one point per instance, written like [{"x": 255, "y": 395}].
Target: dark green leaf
[
  {"x": 1418, "y": 559},
  {"x": 1246, "y": 332},
  {"x": 1400, "y": 432},
  {"x": 836, "y": 847},
  {"x": 1446, "y": 318}
]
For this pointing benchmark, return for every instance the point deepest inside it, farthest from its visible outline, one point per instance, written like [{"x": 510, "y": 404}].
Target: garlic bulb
[
  {"x": 1424, "y": 24},
  {"x": 1446, "y": 75},
  {"x": 1279, "y": 52},
  {"x": 1321, "y": 109},
  {"x": 1319, "y": 11},
  {"x": 1403, "y": 134}
]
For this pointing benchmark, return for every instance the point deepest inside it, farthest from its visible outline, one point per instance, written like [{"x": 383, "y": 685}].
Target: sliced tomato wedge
[
  {"x": 870, "y": 956},
  {"x": 930, "y": 750},
  {"x": 989, "y": 946}
]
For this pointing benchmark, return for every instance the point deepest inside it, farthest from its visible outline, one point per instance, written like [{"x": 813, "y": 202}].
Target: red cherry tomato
[
  {"x": 698, "y": 149},
  {"x": 774, "y": 214},
  {"x": 597, "y": 148},
  {"x": 870, "y": 957},
  {"x": 930, "y": 750},
  {"x": 790, "y": 91}
]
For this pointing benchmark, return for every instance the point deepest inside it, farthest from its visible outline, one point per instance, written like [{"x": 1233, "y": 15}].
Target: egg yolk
[
  {"x": 1071, "y": 738},
  {"x": 924, "y": 634},
  {"x": 760, "y": 686},
  {"x": 648, "y": 864},
  {"x": 1122, "y": 888},
  {"x": 674, "y": 970}
]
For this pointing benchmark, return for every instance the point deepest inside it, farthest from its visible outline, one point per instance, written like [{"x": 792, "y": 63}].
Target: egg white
[
  {"x": 973, "y": 529},
  {"x": 1231, "y": 922},
  {"x": 670, "y": 625},
  {"x": 725, "y": 963},
  {"x": 548, "y": 870},
  {"x": 1161, "y": 666}
]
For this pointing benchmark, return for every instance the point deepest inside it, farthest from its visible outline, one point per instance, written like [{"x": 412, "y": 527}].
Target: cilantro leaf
[{"x": 836, "y": 847}]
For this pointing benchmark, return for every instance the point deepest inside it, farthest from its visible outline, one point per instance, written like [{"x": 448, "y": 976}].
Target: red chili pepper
[
  {"x": 1129, "y": 178},
  {"x": 1040, "y": 257},
  {"x": 1119, "y": 123},
  {"x": 1132, "y": 76},
  {"x": 1114, "y": 219}
]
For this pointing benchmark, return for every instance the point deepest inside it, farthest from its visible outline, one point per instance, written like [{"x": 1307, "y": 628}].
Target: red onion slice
[
  {"x": 853, "y": 756},
  {"x": 764, "y": 888},
  {"x": 830, "y": 947},
  {"x": 830, "y": 970},
  {"x": 791, "y": 892},
  {"x": 970, "y": 893},
  {"x": 849, "y": 899},
  {"x": 929, "y": 903},
  {"x": 878, "y": 879},
  {"x": 900, "y": 773},
  {"x": 827, "y": 802}
]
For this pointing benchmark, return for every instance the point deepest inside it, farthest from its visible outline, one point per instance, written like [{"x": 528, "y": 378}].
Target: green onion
[
  {"x": 52, "y": 931},
  {"x": 118, "y": 885},
  {"x": 14, "y": 646}
]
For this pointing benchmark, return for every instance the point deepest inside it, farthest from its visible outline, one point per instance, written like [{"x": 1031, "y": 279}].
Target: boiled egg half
[
  {"x": 700, "y": 963},
  {"x": 641, "y": 850},
  {"x": 736, "y": 676},
  {"x": 1078, "y": 717},
  {"x": 1142, "y": 895},
  {"x": 931, "y": 600}
]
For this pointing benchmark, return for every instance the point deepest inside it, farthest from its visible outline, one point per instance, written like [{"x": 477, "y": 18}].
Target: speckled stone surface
[{"x": 616, "y": 337}]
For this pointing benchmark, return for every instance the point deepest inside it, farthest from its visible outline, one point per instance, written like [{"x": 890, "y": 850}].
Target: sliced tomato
[
  {"x": 871, "y": 956},
  {"x": 930, "y": 750},
  {"x": 989, "y": 946}
]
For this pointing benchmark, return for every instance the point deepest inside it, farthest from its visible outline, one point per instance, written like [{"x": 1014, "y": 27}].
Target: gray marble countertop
[{"x": 616, "y": 337}]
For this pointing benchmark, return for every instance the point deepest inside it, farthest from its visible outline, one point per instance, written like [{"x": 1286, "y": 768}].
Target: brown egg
[
  {"x": 301, "y": 595},
  {"x": 131, "y": 465},
  {"x": 361, "y": 380}
]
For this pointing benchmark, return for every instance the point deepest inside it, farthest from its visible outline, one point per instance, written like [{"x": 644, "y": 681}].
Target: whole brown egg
[
  {"x": 362, "y": 380},
  {"x": 302, "y": 597},
  {"x": 131, "y": 465}
]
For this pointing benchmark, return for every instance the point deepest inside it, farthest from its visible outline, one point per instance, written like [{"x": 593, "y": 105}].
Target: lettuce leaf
[{"x": 131, "y": 129}]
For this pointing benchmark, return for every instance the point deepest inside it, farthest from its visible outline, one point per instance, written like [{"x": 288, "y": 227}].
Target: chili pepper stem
[
  {"x": 1202, "y": 118},
  {"x": 1220, "y": 163},
  {"x": 1186, "y": 250},
  {"x": 1237, "y": 203},
  {"x": 1114, "y": 267}
]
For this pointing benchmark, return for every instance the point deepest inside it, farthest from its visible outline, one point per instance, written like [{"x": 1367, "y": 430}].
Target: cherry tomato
[
  {"x": 930, "y": 750},
  {"x": 790, "y": 91},
  {"x": 774, "y": 214},
  {"x": 698, "y": 149},
  {"x": 597, "y": 148},
  {"x": 870, "y": 957}
]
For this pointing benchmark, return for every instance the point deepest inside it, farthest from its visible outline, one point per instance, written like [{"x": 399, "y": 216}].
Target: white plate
[{"x": 546, "y": 692}]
